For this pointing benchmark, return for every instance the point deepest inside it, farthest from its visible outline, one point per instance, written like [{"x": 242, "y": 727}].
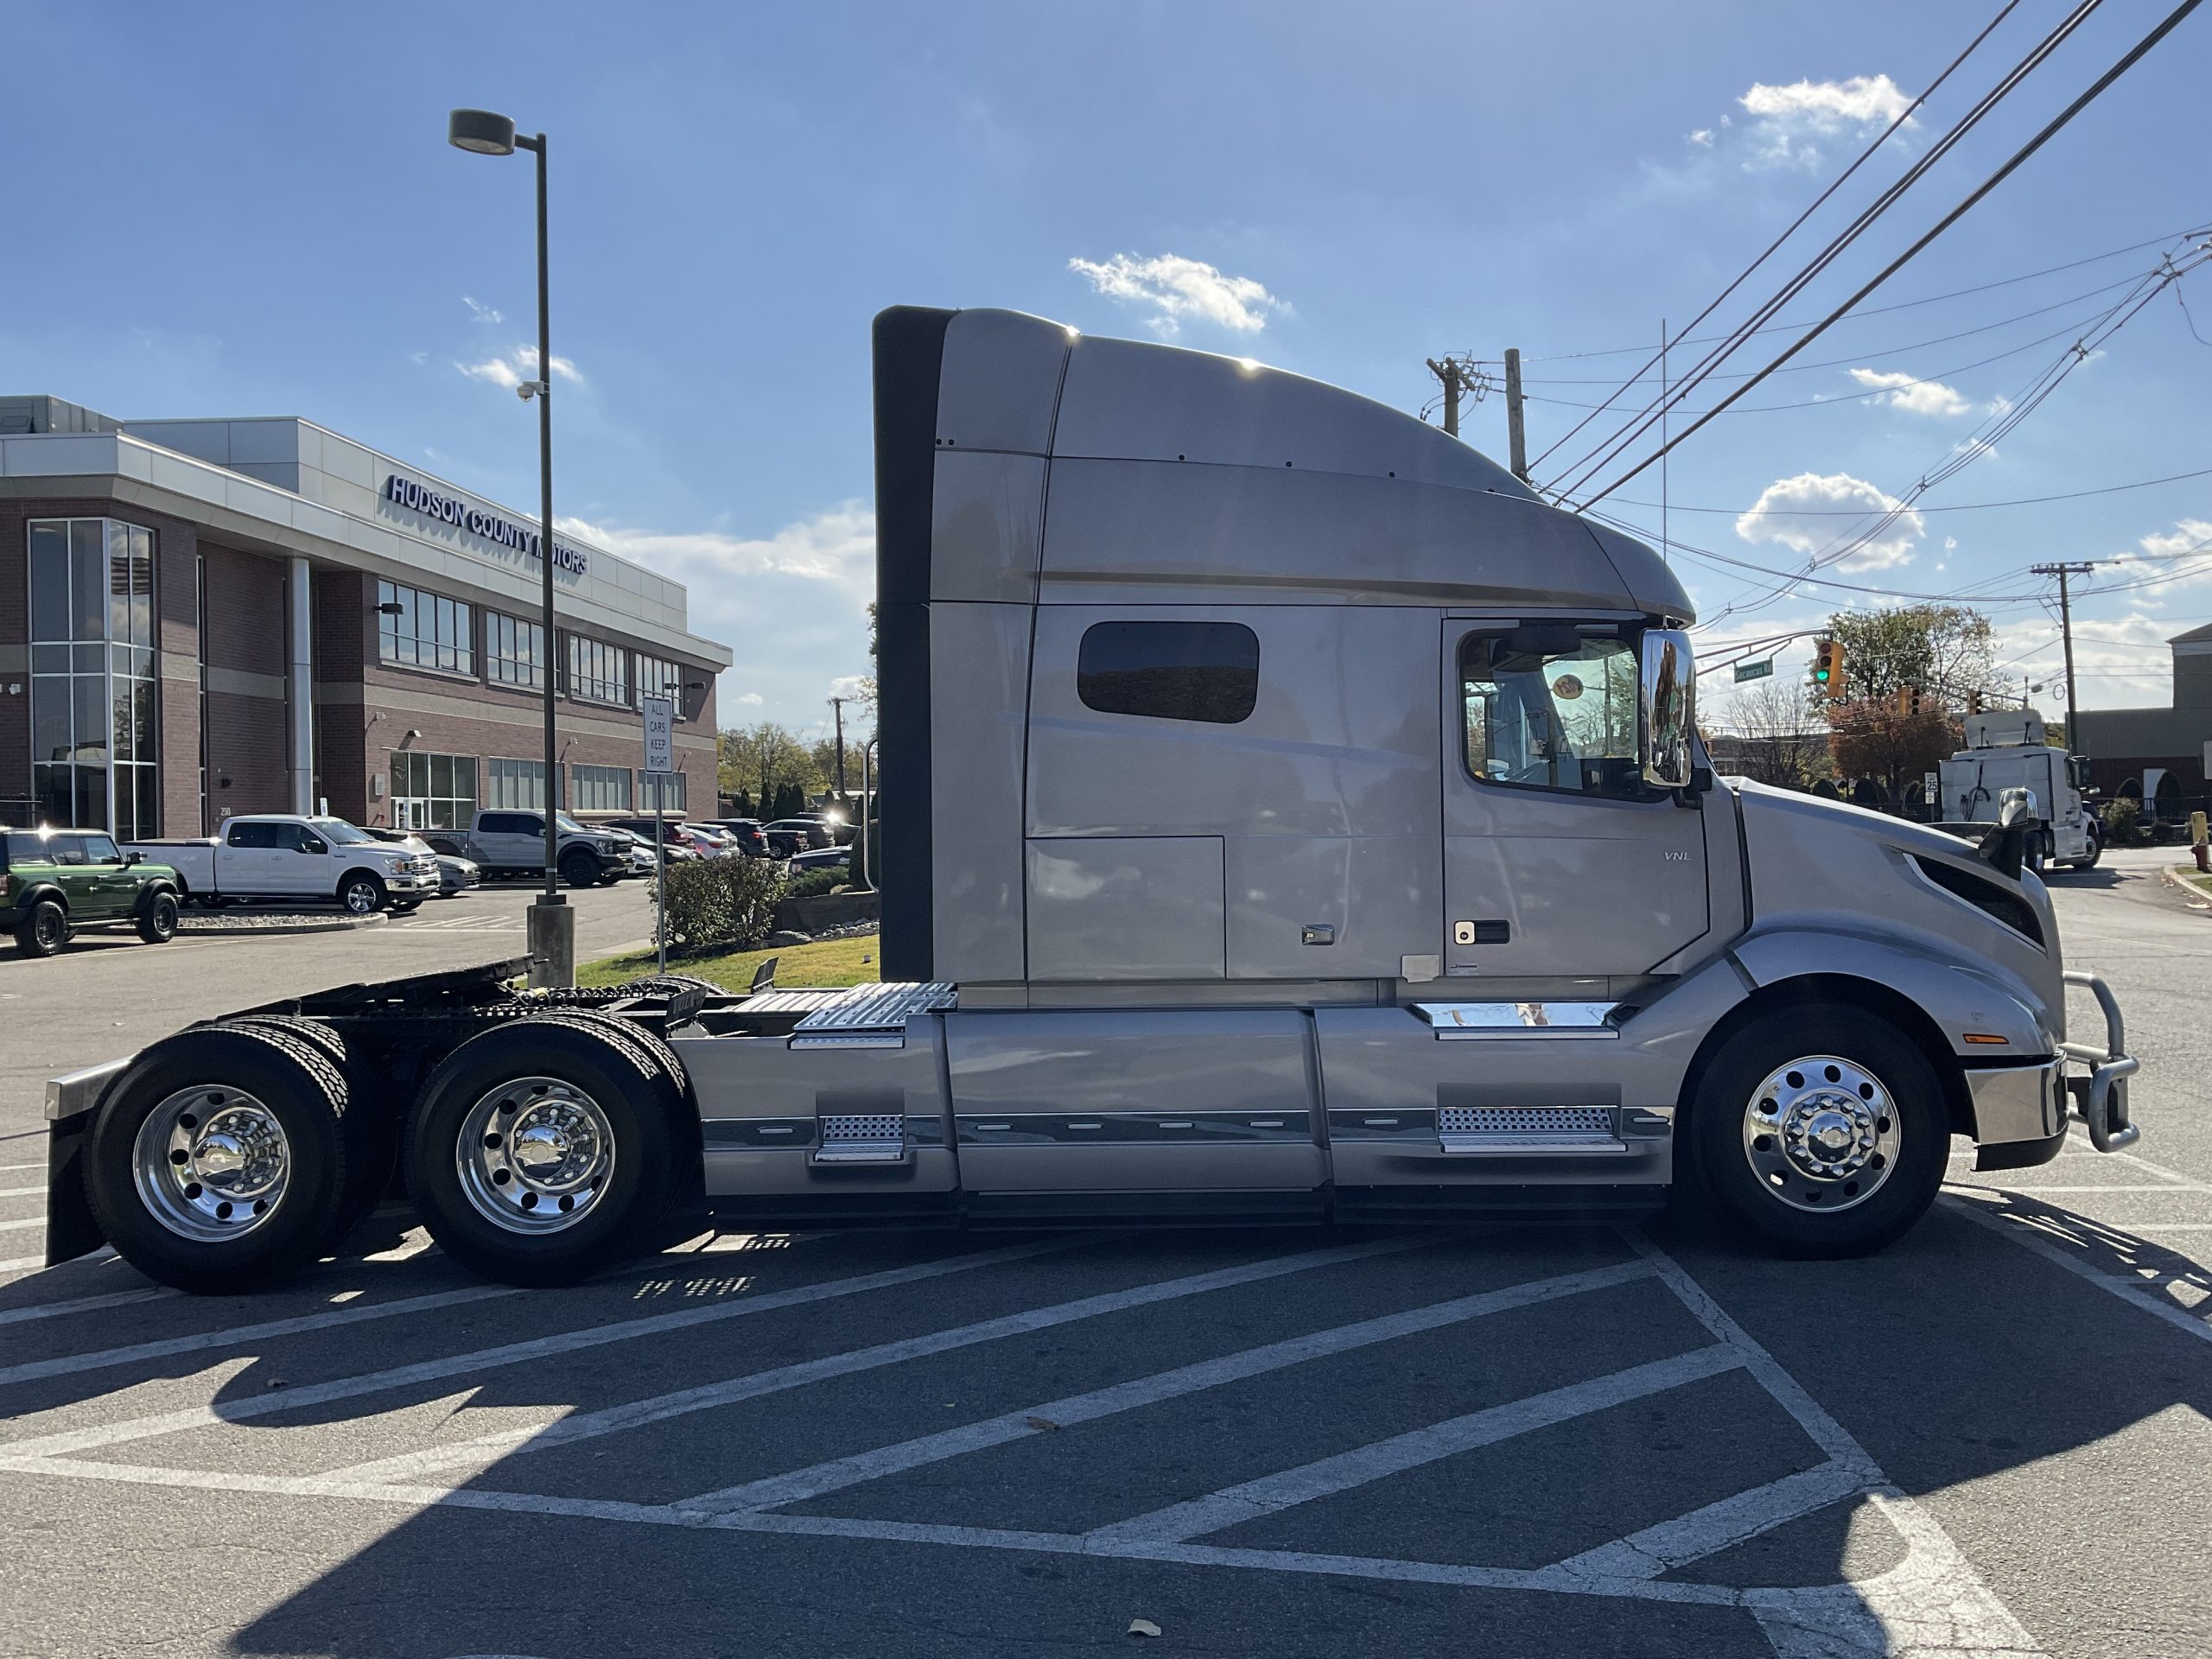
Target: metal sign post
[{"x": 660, "y": 760}]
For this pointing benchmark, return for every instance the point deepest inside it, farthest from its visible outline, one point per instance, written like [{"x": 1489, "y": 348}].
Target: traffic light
[
  {"x": 1828, "y": 668},
  {"x": 1906, "y": 700},
  {"x": 1973, "y": 702}
]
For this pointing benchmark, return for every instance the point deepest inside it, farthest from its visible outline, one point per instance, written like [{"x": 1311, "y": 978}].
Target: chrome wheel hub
[
  {"x": 535, "y": 1155},
  {"x": 1821, "y": 1133},
  {"x": 211, "y": 1164}
]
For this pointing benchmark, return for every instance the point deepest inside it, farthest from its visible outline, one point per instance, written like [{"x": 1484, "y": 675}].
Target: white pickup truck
[{"x": 289, "y": 855}]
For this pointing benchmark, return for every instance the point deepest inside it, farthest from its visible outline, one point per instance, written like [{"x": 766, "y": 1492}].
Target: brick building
[
  {"x": 207, "y": 617},
  {"x": 2160, "y": 756}
]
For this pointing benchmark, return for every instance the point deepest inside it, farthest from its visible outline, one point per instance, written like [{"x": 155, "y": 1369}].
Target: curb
[
  {"x": 2172, "y": 877},
  {"x": 321, "y": 924}
]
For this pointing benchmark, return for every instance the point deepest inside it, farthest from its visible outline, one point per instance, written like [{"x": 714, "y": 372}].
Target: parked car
[
  {"x": 676, "y": 832},
  {"x": 823, "y": 858},
  {"x": 294, "y": 856},
  {"x": 54, "y": 882},
  {"x": 643, "y": 861},
  {"x": 752, "y": 840},
  {"x": 841, "y": 830},
  {"x": 504, "y": 840},
  {"x": 805, "y": 832},
  {"x": 456, "y": 874}
]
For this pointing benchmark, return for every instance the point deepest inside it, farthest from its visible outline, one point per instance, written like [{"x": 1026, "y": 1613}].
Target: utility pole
[
  {"x": 1455, "y": 381},
  {"x": 2081, "y": 568},
  {"x": 1515, "y": 431},
  {"x": 837, "y": 705}
]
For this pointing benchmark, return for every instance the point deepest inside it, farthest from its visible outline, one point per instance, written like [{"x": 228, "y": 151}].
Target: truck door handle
[{"x": 1489, "y": 932}]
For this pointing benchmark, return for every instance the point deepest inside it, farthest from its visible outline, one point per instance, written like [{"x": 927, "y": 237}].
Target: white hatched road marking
[
  {"x": 9, "y": 1169},
  {"x": 637, "y": 1413},
  {"x": 2134, "y": 1295},
  {"x": 22, "y": 1192},
  {"x": 86, "y": 1304},
  {"x": 33, "y": 1263},
  {"x": 1020, "y": 1424},
  {"x": 22, "y": 1226},
  {"x": 515, "y": 1353},
  {"x": 1250, "y": 1500},
  {"x": 70, "y": 1364},
  {"x": 1932, "y": 1604}
]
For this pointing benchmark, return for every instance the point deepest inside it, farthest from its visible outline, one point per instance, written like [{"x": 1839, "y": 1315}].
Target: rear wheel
[
  {"x": 542, "y": 1150},
  {"x": 1821, "y": 1131},
  {"x": 158, "y": 918},
  {"x": 371, "y": 1136},
  {"x": 44, "y": 931},
  {"x": 216, "y": 1161}
]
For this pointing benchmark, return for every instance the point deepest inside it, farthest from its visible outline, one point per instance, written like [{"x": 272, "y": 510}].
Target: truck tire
[
  {"x": 2088, "y": 860},
  {"x": 158, "y": 918},
  {"x": 580, "y": 870},
  {"x": 361, "y": 893},
  {"x": 215, "y": 1162},
  {"x": 1819, "y": 1131},
  {"x": 45, "y": 931},
  {"x": 542, "y": 1150},
  {"x": 372, "y": 1137}
]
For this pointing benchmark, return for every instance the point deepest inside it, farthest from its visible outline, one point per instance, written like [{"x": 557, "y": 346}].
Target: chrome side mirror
[
  {"x": 1666, "y": 708},
  {"x": 2016, "y": 805}
]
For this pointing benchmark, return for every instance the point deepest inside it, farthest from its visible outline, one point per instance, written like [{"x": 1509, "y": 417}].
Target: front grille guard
[{"x": 2100, "y": 1100}]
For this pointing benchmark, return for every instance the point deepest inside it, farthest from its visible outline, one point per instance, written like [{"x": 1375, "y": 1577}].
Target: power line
[
  {"x": 1902, "y": 305},
  {"x": 1637, "y": 425},
  {"x": 1961, "y": 506},
  {"x": 2050, "y": 129},
  {"x": 1864, "y": 156}
]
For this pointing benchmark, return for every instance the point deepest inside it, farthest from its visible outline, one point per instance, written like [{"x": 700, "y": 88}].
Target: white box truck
[
  {"x": 1286, "y": 814},
  {"x": 2005, "y": 749}
]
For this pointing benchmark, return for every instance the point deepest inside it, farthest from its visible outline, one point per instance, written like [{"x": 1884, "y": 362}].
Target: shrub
[
  {"x": 721, "y": 903},
  {"x": 809, "y": 884},
  {"x": 2123, "y": 820}
]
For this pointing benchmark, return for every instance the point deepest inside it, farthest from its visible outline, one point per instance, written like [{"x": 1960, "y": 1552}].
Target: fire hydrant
[{"x": 2198, "y": 842}]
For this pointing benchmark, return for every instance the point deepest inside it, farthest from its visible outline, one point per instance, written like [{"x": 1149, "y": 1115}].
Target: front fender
[{"x": 1961, "y": 997}]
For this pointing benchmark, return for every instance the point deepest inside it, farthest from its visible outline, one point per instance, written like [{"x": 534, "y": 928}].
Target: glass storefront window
[
  {"x": 95, "y": 743},
  {"x": 517, "y": 784},
  {"x": 433, "y": 791},
  {"x": 422, "y": 630}
]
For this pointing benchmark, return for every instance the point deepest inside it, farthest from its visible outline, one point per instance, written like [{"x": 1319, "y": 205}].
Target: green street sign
[{"x": 1758, "y": 671}]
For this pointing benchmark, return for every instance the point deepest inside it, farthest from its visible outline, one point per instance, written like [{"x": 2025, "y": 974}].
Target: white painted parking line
[
  {"x": 2158, "y": 1226},
  {"x": 231, "y": 1335},
  {"x": 33, "y": 1263},
  {"x": 22, "y": 1192},
  {"x": 9, "y": 1169},
  {"x": 2043, "y": 1245},
  {"x": 1021, "y": 1424},
  {"x": 21, "y": 1264},
  {"x": 2070, "y": 1192},
  {"x": 85, "y": 1305},
  {"x": 1716, "y": 1526},
  {"x": 728, "y": 1391},
  {"x": 22, "y": 1226},
  {"x": 516, "y": 1353},
  {"x": 1933, "y": 1602},
  {"x": 1250, "y": 1500}
]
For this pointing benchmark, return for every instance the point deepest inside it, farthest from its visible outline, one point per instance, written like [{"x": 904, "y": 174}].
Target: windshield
[
  {"x": 337, "y": 829},
  {"x": 568, "y": 825}
]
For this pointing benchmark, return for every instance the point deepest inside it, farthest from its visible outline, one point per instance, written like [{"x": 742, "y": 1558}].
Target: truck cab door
[{"x": 1559, "y": 862}]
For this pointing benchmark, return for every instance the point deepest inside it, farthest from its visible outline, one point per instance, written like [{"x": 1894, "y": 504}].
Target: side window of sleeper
[{"x": 1206, "y": 671}]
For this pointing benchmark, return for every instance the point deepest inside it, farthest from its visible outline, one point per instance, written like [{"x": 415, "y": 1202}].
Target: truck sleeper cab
[{"x": 1286, "y": 814}]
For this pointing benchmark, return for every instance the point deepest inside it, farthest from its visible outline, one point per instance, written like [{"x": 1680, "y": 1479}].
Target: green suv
[{"x": 54, "y": 882}]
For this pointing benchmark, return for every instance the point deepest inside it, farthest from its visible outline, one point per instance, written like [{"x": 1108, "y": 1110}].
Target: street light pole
[{"x": 551, "y": 924}]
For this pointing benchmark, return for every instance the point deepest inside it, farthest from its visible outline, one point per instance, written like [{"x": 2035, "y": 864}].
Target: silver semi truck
[{"x": 1286, "y": 814}]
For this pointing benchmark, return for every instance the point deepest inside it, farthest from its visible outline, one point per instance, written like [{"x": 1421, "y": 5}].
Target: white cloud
[
  {"x": 418, "y": 358},
  {"x": 2121, "y": 662},
  {"x": 479, "y": 313},
  {"x": 2186, "y": 548},
  {"x": 1798, "y": 514},
  {"x": 1914, "y": 395},
  {"x": 792, "y": 607},
  {"x": 1702, "y": 137},
  {"x": 1950, "y": 543},
  {"x": 1789, "y": 122},
  {"x": 1178, "y": 288},
  {"x": 514, "y": 367}
]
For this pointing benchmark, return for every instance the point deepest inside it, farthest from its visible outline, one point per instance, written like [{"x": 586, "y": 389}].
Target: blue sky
[{"x": 250, "y": 209}]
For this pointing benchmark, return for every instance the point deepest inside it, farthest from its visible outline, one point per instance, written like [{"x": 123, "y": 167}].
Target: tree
[
  {"x": 1945, "y": 650},
  {"x": 758, "y": 761},
  {"x": 1771, "y": 732},
  {"x": 1874, "y": 740}
]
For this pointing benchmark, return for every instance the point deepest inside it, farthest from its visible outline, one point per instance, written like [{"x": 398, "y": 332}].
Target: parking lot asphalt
[{"x": 1991, "y": 1439}]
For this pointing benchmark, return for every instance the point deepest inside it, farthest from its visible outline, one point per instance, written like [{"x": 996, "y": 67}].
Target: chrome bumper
[{"x": 2100, "y": 1097}]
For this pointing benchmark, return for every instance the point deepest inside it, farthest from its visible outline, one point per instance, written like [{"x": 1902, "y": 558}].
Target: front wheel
[
  {"x": 580, "y": 870},
  {"x": 1821, "y": 1131},
  {"x": 361, "y": 893},
  {"x": 44, "y": 931},
  {"x": 157, "y": 921}
]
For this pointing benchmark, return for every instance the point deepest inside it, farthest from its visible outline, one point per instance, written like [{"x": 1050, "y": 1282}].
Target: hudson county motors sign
[{"x": 401, "y": 491}]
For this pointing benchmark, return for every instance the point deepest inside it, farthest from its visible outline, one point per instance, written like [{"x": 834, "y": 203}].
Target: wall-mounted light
[{"x": 391, "y": 607}]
